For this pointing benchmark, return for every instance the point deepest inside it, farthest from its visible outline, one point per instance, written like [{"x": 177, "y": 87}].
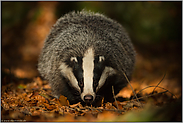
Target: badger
[{"x": 84, "y": 55}]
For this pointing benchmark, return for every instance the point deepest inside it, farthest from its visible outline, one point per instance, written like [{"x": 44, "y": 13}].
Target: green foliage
[
  {"x": 146, "y": 22},
  {"x": 13, "y": 13}
]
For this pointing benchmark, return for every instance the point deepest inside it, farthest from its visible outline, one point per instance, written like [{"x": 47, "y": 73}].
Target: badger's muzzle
[
  {"x": 88, "y": 99},
  {"x": 88, "y": 96}
]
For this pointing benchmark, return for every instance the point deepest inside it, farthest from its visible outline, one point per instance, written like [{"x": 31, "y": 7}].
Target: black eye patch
[
  {"x": 99, "y": 59},
  {"x": 96, "y": 60},
  {"x": 76, "y": 65},
  {"x": 99, "y": 65},
  {"x": 79, "y": 59},
  {"x": 74, "y": 61}
]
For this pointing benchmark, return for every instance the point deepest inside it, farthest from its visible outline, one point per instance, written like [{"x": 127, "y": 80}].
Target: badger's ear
[
  {"x": 101, "y": 58},
  {"x": 73, "y": 59}
]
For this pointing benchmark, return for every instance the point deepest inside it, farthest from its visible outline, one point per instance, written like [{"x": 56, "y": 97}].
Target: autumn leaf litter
[{"x": 34, "y": 102}]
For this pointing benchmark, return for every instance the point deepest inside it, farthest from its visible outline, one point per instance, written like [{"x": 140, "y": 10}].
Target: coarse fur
[{"x": 75, "y": 34}]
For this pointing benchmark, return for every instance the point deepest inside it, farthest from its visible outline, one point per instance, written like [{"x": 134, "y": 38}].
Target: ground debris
[{"x": 34, "y": 102}]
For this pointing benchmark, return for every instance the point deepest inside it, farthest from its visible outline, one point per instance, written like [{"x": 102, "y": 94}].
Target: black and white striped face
[{"x": 87, "y": 74}]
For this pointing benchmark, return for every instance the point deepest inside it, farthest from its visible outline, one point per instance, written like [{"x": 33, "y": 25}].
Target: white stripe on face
[
  {"x": 88, "y": 67},
  {"x": 108, "y": 71},
  {"x": 67, "y": 73}
]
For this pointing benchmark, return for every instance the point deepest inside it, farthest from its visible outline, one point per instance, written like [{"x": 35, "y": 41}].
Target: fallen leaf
[{"x": 63, "y": 101}]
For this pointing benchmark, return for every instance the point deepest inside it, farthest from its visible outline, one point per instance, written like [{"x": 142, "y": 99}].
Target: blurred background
[{"x": 155, "y": 29}]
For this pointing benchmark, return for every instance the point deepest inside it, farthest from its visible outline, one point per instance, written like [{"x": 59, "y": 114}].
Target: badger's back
[{"x": 73, "y": 35}]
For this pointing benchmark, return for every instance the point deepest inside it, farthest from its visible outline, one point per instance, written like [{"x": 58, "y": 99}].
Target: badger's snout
[{"x": 88, "y": 99}]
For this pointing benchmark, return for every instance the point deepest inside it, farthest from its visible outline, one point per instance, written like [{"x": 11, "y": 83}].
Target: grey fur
[{"x": 72, "y": 35}]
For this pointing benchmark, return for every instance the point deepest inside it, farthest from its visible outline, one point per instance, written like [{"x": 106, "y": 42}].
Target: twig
[
  {"x": 132, "y": 89},
  {"x": 158, "y": 87},
  {"x": 114, "y": 97},
  {"x": 116, "y": 110},
  {"x": 149, "y": 95},
  {"x": 159, "y": 83}
]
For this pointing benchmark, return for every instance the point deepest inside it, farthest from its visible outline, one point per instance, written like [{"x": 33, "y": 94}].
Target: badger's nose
[{"x": 88, "y": 98}]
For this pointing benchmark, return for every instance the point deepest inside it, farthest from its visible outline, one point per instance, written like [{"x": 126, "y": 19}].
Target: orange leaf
[{"x": 63, "y": 101}]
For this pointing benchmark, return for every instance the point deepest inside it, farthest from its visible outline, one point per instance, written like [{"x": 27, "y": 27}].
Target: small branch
[
  {"x": 116, "y": 110},
  {"x": 149, "y": 95},
  {"x": 159, "y": 83},
  {"x": 158, "y": 87},
  {"x": 114, "y": 97},
  {"x": 132, "y": 89}
]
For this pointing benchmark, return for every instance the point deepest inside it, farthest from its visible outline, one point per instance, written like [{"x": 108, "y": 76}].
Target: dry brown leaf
[
  {"x": 63, "y": 101},
  {"x": 119, "y": 105},
  {"x": 108, "y": 105},
  {"x": 76, "y": 105}
]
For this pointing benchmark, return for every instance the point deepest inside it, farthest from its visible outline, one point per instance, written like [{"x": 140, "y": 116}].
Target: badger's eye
[
  {"x": 101, "y": 58},
  {"x": 95, "y": 83},
  {"x": 81, "y": 83},
  {"x": 73, "y": 59}
]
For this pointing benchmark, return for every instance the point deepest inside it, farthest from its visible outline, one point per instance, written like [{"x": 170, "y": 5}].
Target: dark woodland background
[{"x": 155, "y": 29}]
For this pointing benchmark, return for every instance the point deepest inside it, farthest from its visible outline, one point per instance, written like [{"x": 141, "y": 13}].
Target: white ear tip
[
  {"x": 74, "y": 59},
  {"x": 101, "y": 58}
]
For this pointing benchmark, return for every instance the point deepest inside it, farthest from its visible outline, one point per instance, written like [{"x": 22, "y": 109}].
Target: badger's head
[{"x": 87, "y": 74}]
